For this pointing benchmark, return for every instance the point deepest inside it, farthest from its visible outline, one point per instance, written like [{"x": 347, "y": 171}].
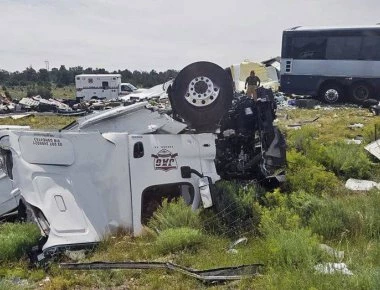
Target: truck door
[{"x": 155, "y": 161}]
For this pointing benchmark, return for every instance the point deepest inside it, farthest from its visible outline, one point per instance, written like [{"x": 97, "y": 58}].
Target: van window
[
  {"x": 105, "y": 85},
  {"x": 90, "y": 80},
  {"x": 125, "y": 88}
]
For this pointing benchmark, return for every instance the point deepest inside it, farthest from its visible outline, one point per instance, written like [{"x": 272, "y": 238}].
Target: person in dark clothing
[{"x": 253, "y": 83}]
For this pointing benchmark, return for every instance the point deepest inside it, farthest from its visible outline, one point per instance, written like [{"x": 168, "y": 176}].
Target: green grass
[
  {"x": 15, "y": 239},
  {"x": 284, "y": 227},
  {"x": 19, "y": 92},
  {"x": 40, "y": 122}
]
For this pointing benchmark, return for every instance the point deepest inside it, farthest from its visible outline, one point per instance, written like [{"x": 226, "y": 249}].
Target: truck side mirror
[
  {"x": 205, "y": 191},
  {"x": 185, "y": 171}
]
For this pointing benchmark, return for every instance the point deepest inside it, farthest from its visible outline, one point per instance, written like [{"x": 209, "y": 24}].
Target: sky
[{"x": 160, "y": 34}]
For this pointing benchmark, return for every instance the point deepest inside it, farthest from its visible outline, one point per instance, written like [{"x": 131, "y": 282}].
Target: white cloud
[{"x": 159, "y": 34}]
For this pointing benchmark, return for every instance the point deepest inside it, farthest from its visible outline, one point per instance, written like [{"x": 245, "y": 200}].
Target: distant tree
[
  {"x": 43, "y": 76},
  {"x": 88, "y": 71},
  {"x": 29, "y": 75},
  {"x": 63, "y": 78},
  {"x": 4, "y": 76},
  {"x": 53, "y": 74}
]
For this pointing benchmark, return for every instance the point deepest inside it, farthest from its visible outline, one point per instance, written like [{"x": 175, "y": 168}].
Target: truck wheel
[
  {"x": 360, "y": 92},
  {"x": 201, "y": 94},
  {"x": 331, "y": 93}
]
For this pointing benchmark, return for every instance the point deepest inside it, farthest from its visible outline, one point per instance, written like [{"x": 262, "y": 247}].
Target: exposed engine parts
[{"x": 248, "y": 146}]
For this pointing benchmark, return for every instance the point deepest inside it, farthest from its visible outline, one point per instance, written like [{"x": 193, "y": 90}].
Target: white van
[{"x": 101, "y": 86}]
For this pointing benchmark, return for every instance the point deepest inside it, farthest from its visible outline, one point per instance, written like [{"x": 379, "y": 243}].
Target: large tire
[
  {"x": 360, "y": 92},
  {"x": 331, "y": 93},
  {"x": 201, "y": 94}
]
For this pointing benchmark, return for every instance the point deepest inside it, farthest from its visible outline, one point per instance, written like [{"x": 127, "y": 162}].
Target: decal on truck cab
[{"x": 164, "y": 160}]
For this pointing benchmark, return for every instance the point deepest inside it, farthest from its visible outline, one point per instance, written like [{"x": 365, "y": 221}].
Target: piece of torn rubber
[{"x": 210, "y": 275}]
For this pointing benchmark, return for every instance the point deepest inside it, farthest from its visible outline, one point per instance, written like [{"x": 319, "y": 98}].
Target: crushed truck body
[
  {"x": 82, "y": 186},
  {"x": 112, "y": 169}
]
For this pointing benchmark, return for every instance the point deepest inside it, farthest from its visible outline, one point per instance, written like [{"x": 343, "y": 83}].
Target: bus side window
[
  {"x": 340, "y": 47},
  {"x": 370, "y": 48},
  {"x": 309, "y": 47}
]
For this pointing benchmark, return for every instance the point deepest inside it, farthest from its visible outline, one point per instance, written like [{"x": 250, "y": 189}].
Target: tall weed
[
  {"x": 174, "y": 215},
  {"x": 346, "y": 160},
  {"x": 308, "y": 175},
  {"x": 235, "y": 210},
  {"x": 287, "y": 243},
  {"x": 177, "y": 239},
  {"x": 354, "y": 216}
]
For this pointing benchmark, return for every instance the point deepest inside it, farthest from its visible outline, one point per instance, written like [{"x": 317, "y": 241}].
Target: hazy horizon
[{"x": 160, "y": 34}]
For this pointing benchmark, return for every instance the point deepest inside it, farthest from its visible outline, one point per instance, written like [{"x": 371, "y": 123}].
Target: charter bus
[{"x": 334, "y": 64}]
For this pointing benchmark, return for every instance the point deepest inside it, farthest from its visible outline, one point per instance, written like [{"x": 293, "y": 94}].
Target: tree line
[{"x": 63, "y": 77}]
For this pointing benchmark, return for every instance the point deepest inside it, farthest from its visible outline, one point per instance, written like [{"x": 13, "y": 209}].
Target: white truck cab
[
  {"x": 80, "y": 193},
  {"x": 101, "y": 86}
]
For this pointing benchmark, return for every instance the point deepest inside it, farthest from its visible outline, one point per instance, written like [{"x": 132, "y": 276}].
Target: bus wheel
[
  {"x": 360, "y": 92},
  {"x": 331, "y": 93}
]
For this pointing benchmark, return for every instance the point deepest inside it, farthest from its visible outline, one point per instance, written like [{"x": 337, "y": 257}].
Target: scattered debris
[
  {"x": 375, "y": 109},
  {"x": 374, "y": 148},
  {"x": 44, "y": 281},
  {"x": 19, "y": 282},
  {"x": 361, "y": 185},
  {"x": 210, "y": 275},
  {"x": 356, "y": 126},
  {"x": 75, "y": 255},
  {"x": 298, "y": 125},
  {"x": 158, "y": 92},
  {"x": 339, "y": 255},
  {"x": 232, "y": 249},
  {"x": 16, "y": 116},
  {"x": 357, "y": 140},
  {"x": 331, "y": 268}
]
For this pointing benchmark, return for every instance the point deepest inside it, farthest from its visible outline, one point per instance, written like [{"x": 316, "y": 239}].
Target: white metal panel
[
  {"x": 94, "y": 189},
  {"x": 47, "y": 149}
]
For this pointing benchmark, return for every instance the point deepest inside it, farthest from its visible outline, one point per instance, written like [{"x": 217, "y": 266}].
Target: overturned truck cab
[
  {"x": 113, "y": 169},
  {"x": 79, "y": 193}
]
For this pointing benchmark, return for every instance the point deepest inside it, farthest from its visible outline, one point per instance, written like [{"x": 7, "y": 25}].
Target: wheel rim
[
  {"x": 361, "y": 93},
  {"x": 201, "y": 92},
  {"x": 331, "y": 95}
]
